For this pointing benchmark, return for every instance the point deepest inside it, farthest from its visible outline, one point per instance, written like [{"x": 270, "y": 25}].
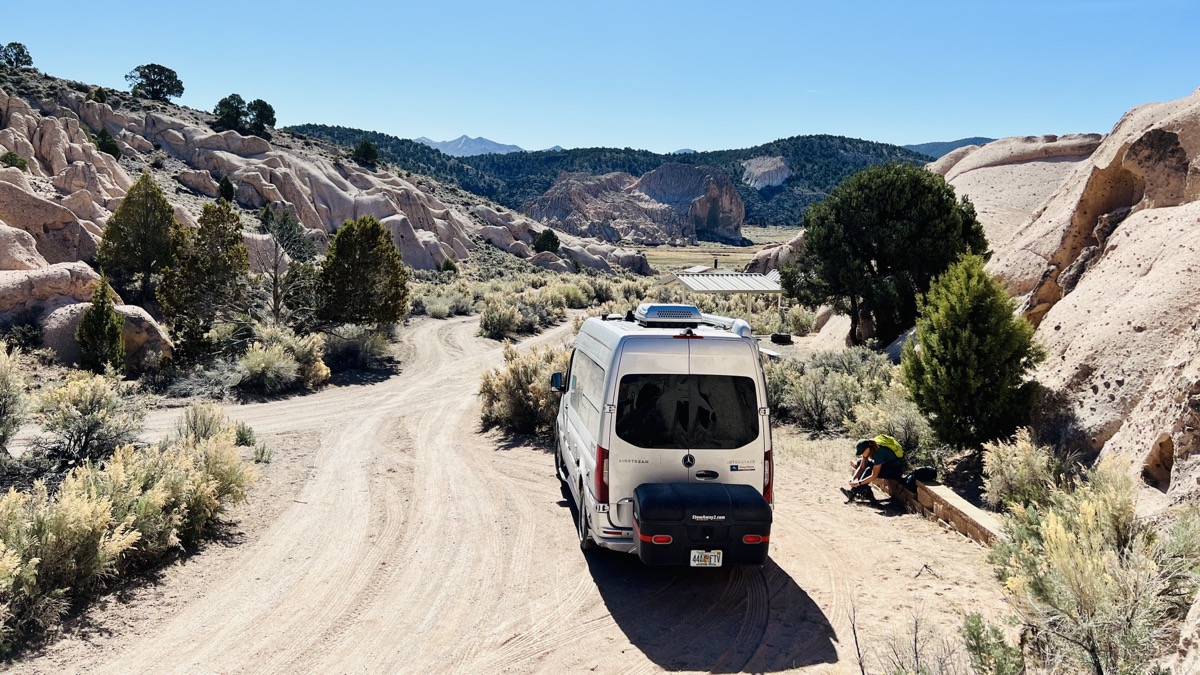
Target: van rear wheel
[{"x": 582, "y": 527}]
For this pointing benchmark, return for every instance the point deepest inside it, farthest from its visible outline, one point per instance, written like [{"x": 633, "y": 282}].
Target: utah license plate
[{"x": 706, "y": 558}]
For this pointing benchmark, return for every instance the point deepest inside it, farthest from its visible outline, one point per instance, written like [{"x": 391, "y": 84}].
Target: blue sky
[{"x": 655, "y": 75}]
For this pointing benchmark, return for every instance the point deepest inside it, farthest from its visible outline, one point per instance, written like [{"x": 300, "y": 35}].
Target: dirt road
[{"x": 390, "y": 535}]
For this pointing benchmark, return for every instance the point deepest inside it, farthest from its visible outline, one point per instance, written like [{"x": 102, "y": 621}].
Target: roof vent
[{"x": 667, "y": 316}]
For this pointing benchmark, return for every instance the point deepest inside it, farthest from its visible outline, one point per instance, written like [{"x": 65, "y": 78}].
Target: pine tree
[
  {"x": 546, "y": 241},
  {"x": 209, "y": 280},
  {"x": 262, "y": 116},
  {"x": 365, "y": 153},
  {"x": 363, "y": 277},
  {"x": 137, "y": 241},
  {"x": 101, "y": 333},
  {"x": 968, "y": 366},
  {"x": 231, "y": 113},
  {"x": 225, "y": 189}
]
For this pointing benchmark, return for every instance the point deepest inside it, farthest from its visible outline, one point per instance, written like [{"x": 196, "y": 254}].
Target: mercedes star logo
[{"x": 689, "y": 461}]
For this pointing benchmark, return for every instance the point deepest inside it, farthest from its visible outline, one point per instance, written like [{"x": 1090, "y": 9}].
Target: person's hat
[{"x": 862, "y": 445}]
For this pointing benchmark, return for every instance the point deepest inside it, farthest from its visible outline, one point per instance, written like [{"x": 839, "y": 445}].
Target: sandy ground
[{"x": 389, "y": 534}]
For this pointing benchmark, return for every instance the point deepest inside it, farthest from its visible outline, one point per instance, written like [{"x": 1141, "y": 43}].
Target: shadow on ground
[{"x": 737, "y": 619}]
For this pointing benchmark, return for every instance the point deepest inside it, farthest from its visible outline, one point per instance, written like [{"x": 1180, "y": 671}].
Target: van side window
[{"x": 587, "y": 390}]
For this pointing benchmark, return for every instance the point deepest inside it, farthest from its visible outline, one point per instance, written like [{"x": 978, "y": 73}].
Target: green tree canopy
[
  {"x": 231, "y": 113},
  {"x": 107, "y": 144},
  {"x": 365, "y": 153},
  {"x": 546, "y": 241},
  {"x": 876, "y": 243},
  {"x": 225, "y": 189},
  {"x": 262, "y": 116},
  {"x": 101, "y": 333},
  {"x": 969, "y": 364},
  {"x": 14, "y": 55},
  {"x": 155, "y": 82},
  {"x": 138, "y": 239},
  {"x": 363, "y": 277},
  {"x": 209, "y": 280},
  {"x": 287, "y": 230}
]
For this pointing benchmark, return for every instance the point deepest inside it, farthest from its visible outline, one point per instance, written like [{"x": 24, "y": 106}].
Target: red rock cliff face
[{"x": 673, "y": 204}]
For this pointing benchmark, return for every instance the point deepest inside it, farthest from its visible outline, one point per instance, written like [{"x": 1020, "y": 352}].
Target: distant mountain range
[
  {"x": 939, "y": 148},
  {"x": 812, "y": 165},
  {"x": 465, "y": 146}
]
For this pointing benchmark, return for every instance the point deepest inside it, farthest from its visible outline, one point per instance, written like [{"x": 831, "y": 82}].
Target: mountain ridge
[
  {"x": 466, "y": 146},
  {"x": 938, "y": 149}
]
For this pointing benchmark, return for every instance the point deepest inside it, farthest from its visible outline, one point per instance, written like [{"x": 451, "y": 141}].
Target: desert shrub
[
  {"x": 800, "y": 320},
  {"x": 1096, "y": 588},
  {"x": 98, "y": 95},
  {"x": 103, "y": 520},
  {"x": 989, "y": 651},
  {"x": 498, "y": 321},
  {"x": 823, "y": 392},
  {"x": 438, "y": 310},
  {"x": 268, "y": 370},
  {"x": 107, "y": 144},
  {"x": 358, "y": 348},
  {"x": 22, "y": 330},
  {"x": 517, "y": 396},
  {"x": 917, "y": 649},
  {"x": 307, "y": 350},
  {"x": 448, "y": 266},
  {"x": 226, "y": 190},
  {"x": 243, "y": 435},
  {"x": 201, "y": 421},
  {"x": 573, "y": 295},
  {"x": 262, "y": 454},
  {"x": 11, "y": 159},
  {"x": 894, "y": 414},
  {"x": 1019, "y": 472},
  {"x": 13, "y": 401},
  {"x": 87, "y": 418},
  {"x": 215, "y": 381}
]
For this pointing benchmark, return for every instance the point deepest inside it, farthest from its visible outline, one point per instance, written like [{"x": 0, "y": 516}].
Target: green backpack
[{"x": 890, "y": 443}]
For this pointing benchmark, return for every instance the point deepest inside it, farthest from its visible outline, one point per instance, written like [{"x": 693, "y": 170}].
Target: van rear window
[{"x": 687, "y": 412}]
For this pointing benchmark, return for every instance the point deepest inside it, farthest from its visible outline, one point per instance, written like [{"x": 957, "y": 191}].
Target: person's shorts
[{"x": 891, "y": 470}]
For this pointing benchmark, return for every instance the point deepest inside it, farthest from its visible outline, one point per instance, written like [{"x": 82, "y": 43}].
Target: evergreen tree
[
  {"x": 231, "y": 113},
  {"x": 138, "y": 239},
  {"x": 546, "y": 241},
  {"x": 15, "y": 56},
  {"x": 363, "y": 278},
  {"x": 365, "y": 153},
  {"x": 106, "y": 143},
  {"x": 262, "y": 116},
  {"x": 155, "y": 82},
  {"x": 100, "y": 333},
  {"x": 286, "y": 229},
  {"x": 225, "y": 190},
  {"x": 876, "y": 243},
  {"x": 209, "y": 280},
  {"x": 968, "y": 365}
]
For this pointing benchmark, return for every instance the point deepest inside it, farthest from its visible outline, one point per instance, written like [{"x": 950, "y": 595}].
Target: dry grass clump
[
  {"x": 517, "y": 396},
  {"x": 106, "y": 520}
]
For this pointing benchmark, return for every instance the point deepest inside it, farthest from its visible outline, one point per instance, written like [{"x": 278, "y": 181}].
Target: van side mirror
[{"x": 556, "y": 382}]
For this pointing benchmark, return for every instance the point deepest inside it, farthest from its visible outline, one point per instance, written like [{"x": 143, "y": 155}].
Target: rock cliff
[
  {"x": 1100, "y": 240},
  {"x": 675, "y": 204}
]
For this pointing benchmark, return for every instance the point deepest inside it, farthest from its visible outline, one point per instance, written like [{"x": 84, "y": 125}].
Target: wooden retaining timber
[{"x": 940, "y": 504}]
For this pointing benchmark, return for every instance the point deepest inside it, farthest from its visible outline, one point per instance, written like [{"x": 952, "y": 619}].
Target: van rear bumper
[{"x": 671, "y": 520}]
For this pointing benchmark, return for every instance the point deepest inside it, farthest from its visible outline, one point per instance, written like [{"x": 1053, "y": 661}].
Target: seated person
[{"x": 878, "y": 457}]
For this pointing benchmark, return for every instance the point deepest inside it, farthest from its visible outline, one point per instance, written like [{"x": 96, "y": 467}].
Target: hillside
[
  {"x": 937, "y": 149},
  {"x": 798, "y": 170},
  {"x": 465, "y": 146}
]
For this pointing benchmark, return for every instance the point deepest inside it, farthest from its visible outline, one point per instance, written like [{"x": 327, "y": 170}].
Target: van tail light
[
  {"x": 660, "y": 539},
  {"x": 769, "y": 477},
  {"x": 756, "y": 539},
  {"x": 601, "y": 475}
]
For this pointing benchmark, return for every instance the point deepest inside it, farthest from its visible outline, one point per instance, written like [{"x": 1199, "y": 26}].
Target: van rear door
[
  {"x": 728, "y": 428},
  {"x": 641, "y": 451}
]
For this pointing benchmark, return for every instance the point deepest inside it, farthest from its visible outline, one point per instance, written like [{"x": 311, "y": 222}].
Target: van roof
[{"x": 610, "y": 332}]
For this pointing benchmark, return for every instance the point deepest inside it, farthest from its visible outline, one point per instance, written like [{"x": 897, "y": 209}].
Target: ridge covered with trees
[{"x": 514, "y": 179}]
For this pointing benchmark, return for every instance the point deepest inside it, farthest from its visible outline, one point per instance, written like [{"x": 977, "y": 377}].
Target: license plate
[{"x": 706, "y": 558}]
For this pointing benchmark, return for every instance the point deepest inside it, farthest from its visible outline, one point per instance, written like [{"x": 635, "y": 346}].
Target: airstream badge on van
[{"x": 660, "y": 427}]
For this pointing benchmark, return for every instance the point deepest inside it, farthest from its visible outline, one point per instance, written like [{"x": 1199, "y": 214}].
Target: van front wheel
[{"x": 583, "y": 527}]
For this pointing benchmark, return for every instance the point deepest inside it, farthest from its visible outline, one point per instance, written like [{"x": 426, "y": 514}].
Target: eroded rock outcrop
[
  {"x": 1103, "y": 250},
  {"x": 774, "y": 256},
  {"x": 674, "y": 204},
  {"x": 514, "y": 233},
  {"x": 761, "y": 172}
]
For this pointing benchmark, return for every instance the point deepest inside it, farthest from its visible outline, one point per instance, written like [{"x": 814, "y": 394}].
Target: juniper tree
[
  {"x": 208, "y": 280},
  {"x": 225, "y": 189},
  {"x": 262, "y": 116},
  {"x": 155, "y": 82},
  {"x": 365, "y": 153},
  {"x": 231, "y": 113},
  {"x": 877, "y": 241},
  {"x": 138, "y": 240},
  {"x": 363, "y": 278},
  {"x": 101, "y": 333},
  {"x": 969, "y": 363},
  {"x": 546, "y": 241}
]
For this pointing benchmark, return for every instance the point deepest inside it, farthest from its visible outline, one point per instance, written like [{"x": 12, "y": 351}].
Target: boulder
[
  {"x": 200, "y": 182},
  {"x": 46, "y": 287},
  {"x": 549, "y": 261},
  {"x": 59, "y": 235},
  {"x": 775, "y": 256},
  {"x": 18, "y": 250},
  {"x": 141, "y": 334}
]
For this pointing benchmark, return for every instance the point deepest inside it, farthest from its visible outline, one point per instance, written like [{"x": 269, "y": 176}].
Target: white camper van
[{"x": 664, "y": 437}]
